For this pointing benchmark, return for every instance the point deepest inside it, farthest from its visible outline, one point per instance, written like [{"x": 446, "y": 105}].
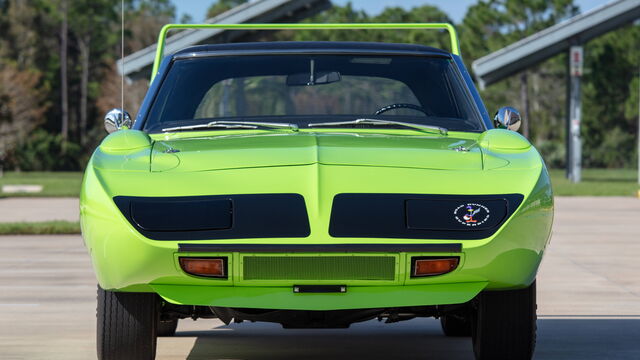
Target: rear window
[{"x": 302, "y": 89}]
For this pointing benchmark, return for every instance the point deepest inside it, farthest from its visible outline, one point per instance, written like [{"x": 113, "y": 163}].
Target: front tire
[
  {"x": 127, "y": 325},
  {"x": 505, "y": 324}
]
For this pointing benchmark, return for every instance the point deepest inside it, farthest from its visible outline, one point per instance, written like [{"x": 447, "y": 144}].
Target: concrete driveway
[
  {"x": 27, "y": 209},
  {"x": 588, "y": 301}
]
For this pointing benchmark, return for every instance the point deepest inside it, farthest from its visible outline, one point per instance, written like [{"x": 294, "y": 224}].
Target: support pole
[
  {"x": 524, "y": 98},
  {"x": 574, "y": 154}
]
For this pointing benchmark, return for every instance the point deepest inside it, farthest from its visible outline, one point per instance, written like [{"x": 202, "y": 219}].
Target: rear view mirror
[{"x": 308, "y": 79}]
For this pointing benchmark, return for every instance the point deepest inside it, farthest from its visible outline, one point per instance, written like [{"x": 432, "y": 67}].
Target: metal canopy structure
[
  {"x": 553, "y": 40},
  {"x": 567, "y": 35},
  {"x": 138, "y": 64}
]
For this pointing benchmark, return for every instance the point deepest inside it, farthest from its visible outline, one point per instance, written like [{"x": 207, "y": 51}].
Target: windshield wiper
[
  {"x": 374, "y": 122},
  {"x": 234, "y": 125}
]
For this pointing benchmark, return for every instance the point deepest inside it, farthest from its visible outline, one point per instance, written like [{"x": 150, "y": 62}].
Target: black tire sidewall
[
  {"x": 504, "y": 324},
  {"x": 126, "y": 325}
]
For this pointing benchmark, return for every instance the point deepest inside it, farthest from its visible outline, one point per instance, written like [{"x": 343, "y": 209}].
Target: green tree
[
  {"x": 143, "y": 20},
  {"x": 347, "y": 14},
  {"x": 23, "y": 93},
  {"x": 490, "y": 25},
  {"x": 90, "y": 39},
  {"x": 38, "y": 50},
  {"x": 32, "y": 62},
  {"x": 22, "y": 105},
  {"x": 221, "y": 6},
  {"x": 610, "y": 99}
]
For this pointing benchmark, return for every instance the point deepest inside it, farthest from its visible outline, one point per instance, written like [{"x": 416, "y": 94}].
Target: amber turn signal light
[
  {"x": 433, "y": 266},
  {"x": 211, "y": 267}
]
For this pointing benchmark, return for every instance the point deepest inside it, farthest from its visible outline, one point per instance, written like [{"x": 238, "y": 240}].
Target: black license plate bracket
[{"x": 319, "y": 289}]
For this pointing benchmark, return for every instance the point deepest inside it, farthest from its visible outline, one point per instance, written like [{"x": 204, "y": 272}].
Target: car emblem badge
[{"x": 471, "y": 214}]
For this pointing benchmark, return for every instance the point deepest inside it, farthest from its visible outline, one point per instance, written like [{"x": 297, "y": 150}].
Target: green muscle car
[{"x": 315, "y": 185}]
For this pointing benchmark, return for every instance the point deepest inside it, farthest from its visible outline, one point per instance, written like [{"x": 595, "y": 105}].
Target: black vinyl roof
[{"x": 313, "y": 45}]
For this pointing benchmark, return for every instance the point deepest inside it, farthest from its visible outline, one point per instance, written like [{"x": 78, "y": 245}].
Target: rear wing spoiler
[{"x": 455, "y": 47}]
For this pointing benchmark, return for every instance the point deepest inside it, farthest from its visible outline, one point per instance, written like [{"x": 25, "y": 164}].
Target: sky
[{"x": 456, "y": 9}]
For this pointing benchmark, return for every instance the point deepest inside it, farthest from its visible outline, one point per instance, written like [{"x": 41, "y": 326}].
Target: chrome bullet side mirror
[
  {"x": 117, "y": 119},
  {"x": 507, "y": 118}
]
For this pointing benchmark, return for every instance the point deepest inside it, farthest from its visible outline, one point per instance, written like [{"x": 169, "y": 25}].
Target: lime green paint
[
  {"x": 503, "y": 140},
  {"x": 318, "y": 164},
  {"x": 455, "y": 47},
  {"x": 282, "y": 148},
  {"x": 357, "y": 297},
  {"x": 125, "y": 141}
]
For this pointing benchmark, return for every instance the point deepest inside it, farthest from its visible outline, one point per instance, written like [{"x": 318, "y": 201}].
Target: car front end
[
  {"x": 254, "y": 195},
  {"x": 273, "y": 225}
]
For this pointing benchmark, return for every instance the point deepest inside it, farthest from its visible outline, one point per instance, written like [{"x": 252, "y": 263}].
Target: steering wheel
[{"x": 401, "y": 106}]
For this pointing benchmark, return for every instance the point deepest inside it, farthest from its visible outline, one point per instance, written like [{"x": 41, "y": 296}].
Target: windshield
[{"x": 304, "y": 89}]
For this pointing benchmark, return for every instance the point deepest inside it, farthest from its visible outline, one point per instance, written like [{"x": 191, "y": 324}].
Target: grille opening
[{"x": 319, "y": 267}]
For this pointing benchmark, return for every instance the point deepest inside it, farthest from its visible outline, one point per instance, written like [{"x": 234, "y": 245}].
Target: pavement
[
  {"x": 588, "y": 303},
  {"x": 35, "y": 209}
]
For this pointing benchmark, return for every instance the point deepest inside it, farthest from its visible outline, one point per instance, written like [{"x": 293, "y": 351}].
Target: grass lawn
[
  {"x": 597, "y": 182},
  {"x": 58, "y": 184},
  {"x": 40, "y": 228}
]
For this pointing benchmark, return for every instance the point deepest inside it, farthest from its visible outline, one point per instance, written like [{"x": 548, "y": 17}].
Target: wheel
[
  {"x": 505, "y": 324},
  {"x": 167, "y": 327},
  {"x": 455, "y": 325},
  {"x": 126, "y": 325}
]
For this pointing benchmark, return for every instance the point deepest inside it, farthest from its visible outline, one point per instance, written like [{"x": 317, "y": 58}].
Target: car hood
[{"x": 290, "y": 149}]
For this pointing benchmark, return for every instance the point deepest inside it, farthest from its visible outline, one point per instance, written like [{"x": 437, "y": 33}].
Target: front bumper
[
  {"x": 124, "y": 260},
  {"x": 356, "y": 297}
]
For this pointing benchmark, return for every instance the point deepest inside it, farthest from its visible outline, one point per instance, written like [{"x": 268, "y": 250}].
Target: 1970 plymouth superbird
[{"x": 315, "y": 184}]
